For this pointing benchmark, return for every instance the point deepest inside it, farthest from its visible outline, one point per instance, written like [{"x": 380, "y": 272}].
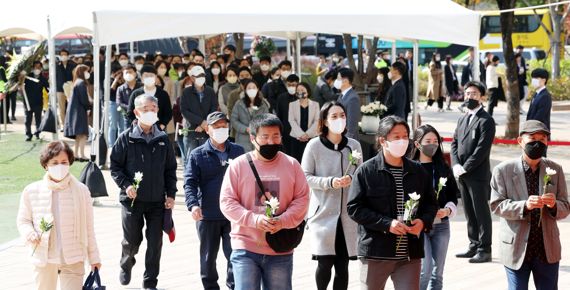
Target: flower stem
[
  {"x": 399, "y": 241},
  {"x": 540, "y": 217},
  {"x": 36, "y": 247}
]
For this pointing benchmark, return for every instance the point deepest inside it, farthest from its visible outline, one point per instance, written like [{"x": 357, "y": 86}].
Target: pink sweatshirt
[{"x": 241, "y": 201}]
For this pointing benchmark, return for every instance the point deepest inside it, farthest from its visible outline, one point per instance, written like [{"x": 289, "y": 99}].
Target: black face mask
[
  {"x": 269, "y": 151},
  {"x": 534, "y": 150},
  {"x": 429, "y": 149},
  {"x": 471, "y": 104}
]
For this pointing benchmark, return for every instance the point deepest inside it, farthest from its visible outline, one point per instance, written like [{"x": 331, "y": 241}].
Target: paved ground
[{"x": 180, "y": 262}]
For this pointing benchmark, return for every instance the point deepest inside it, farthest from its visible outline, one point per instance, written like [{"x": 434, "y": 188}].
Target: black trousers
[
  {"x": 33, "y": 114},
  {"x": 475, "y": 195},
  {"x": 134, "y": 219},
  {"x": 11, "y": 103},
  {"x": 339, "y": 261},
  {"x": 210, "y": 233},
  {"x": 493, "y": 95}
]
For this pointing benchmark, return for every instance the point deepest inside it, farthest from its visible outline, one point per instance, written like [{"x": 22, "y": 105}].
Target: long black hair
[
  {"x": 419, "y": 135},
  {"x": 257, "y": 101},
  {"x": 324, "y": 114}
]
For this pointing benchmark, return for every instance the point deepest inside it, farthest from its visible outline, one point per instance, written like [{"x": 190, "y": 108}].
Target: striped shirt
[{"x": 402, "y": 241}]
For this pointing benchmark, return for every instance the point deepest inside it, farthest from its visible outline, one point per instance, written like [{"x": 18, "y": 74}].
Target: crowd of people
[{"x": 266, "y": 156}]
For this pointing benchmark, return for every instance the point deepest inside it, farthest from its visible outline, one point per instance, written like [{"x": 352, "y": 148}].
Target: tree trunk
[
  {"x": 238, "y": 38},
  {"x": 555, "y": 43},
  {"x": 512, "y": 93},
  {"x": 357, "y": 83},
  {"x": 360, "y": 55},
  {"x": 371, "y": 70}
]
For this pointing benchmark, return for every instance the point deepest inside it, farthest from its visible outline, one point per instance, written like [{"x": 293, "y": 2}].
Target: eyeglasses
[
  {"x": 472, "y": 94},
  {"x": 266, "y": 138}
]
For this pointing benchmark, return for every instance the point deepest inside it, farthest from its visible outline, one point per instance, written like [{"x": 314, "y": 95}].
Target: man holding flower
[
  {"x": 529, "y": 194},
  {"x": 392, "y": 200}
]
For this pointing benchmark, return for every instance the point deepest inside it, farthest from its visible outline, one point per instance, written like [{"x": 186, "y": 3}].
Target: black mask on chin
[
  {"x": 471, "y": 104},
  {"x": 269, "y": 151},
  {"x": 535, "y": 149}
]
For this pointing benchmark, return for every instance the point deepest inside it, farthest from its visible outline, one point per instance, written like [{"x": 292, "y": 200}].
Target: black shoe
[
  {"x": 14, "y": 118},
  {"x": 469, "y": 254},
  {"x": 29, "y": 138},
  {"x": 481, "y": 257},
  {"x": 37, "y": 136},
  {"x": 125, "y": 276},
  {"x": 149, "y": 288}
]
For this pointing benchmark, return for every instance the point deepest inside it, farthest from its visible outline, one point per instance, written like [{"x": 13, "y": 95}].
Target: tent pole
[
  {"x": 52, "y": 79},
  {"x": 298, "y": 54},
  {"x": 288, "y": 49},
  {"x": 393, "y": 57},
  {"x": 476, "y": 62},
  {"x": 107, "y": 91},
  {"x": 202, "y": 44},
  {"x": 132, "y": 52},
  {"x": 96, "y": 91},
  {"x": 416, "y": 85}
]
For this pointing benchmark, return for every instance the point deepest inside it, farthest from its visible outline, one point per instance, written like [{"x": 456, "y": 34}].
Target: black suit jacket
[
  {"x": 540, "y": 107},
  {"x": 451, "y": 80},
  {"x": 194, "y": 111},
  {"x": 471, "y": 145},
  {"x": 396, "y": 100},
  {"x": 467, "y": 73},
  {"x": 34, "y": 91}
]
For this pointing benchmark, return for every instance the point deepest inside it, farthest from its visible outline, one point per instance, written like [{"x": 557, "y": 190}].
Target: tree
[
  {"x": 513, "y": 100},
  {"x": 238, "y": 38},
  {"x": 361, "y": 77}
]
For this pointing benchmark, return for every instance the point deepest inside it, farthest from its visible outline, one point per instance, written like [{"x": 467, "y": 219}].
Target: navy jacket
[
  {"x": 540, "y": 107},
  {"x": 351, "y": 102},
  {"x": 155, "y": 159},
  {"x": 34, "y": 91},
  {"x": 203, "y": 176},
  {"x": 396, "y": 100}
]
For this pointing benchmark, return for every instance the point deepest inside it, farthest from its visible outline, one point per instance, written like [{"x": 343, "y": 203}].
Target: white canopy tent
[{"x": 411, "y": 20}]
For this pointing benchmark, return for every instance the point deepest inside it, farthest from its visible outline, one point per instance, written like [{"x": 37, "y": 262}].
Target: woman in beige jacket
[
  {"x": 435, "y": 82},
  {"x": 60, "y": 199}
]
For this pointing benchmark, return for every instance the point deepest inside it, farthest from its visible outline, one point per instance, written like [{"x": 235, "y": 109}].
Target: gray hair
[{"x": 142, "y": 99}]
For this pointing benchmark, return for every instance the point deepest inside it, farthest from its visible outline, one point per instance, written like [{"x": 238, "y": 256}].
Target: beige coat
[
  {"x": 508, "y": 200},
  {"x": 36, "y": 203},
  {"x": 435, "y": 82},
  {"x": 295, "y": 119}
]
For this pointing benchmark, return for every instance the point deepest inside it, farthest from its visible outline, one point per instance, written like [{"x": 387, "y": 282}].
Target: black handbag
[
  {"x": 284, "y": 240},
  {"x": 48, "y": 122},
  {"x": 92, "y": 176},
  {"x": 93, "y": 281},
  {"x": 102, "y": 149}
]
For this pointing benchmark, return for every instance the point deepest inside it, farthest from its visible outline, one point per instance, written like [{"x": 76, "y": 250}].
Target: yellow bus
[{"x": 527, "y": 30}]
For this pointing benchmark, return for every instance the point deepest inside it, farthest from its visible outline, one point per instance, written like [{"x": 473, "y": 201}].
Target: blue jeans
[
  {"x": 183, "y": 153},
  {"x": 545, "y": 275},
  {"x": 435, "y": 249},
  {"x": 194, "y": 140},
  {"x": 116, "y": 123},
  {"x": 252, "y": 270}
]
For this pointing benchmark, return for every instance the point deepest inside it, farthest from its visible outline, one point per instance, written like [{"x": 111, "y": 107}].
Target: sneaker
[
  {"x": 29, "y": 138},
  {"x": 449, "y": 108}
]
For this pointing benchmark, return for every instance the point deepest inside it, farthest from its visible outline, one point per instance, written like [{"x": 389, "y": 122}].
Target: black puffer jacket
[{"x": 372, "y": 204}]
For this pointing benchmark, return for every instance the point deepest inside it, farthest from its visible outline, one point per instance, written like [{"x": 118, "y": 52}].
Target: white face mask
[
  {"x": 200, "y": 81},
  {"x": 139, "y": 66},
  {"x": 46, "y": 66},
  {"x": 232, "y": 79},
  {"x": 87, "y": 75},
  {"x": 337, "y": 84},
  {"x": 37, "y": 71},
  {"x": 335, "y": 59},
  {"x": 437, "y": 58},
  {"x": 390, "y": 75},
  {"x": 128, "y": 77},
  {"x": 251, "y": 93},
  {"x": 380, "y": 79},
  {"x": 161, "y": 72},
  {"x": 148, "y": 118},
  {"x": 264, "y": 67},
  {"x": 337, "y": 126},
  {"x": 149, "y": 82},
  {"x": 285, "y": 74},
  {"x": 123, "y": 62},
  {"x": 397, "y": 148},
  {"x": 291, "y": 90},
  {"x": 58, "y": 172},
  {"x": 220, "y": 135},
  {"x": 535, "y": 83},
  {"x": 216, "y": 71},
  {"x": 64, "y": 58}
]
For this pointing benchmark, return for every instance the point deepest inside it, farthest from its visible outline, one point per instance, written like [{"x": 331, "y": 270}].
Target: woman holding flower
[
  {"x": 328, "y": 162},
  {"x": 388, "y": 246},
  {"x": 428, "y": 151},
  {"x": 55, "y": 219}
]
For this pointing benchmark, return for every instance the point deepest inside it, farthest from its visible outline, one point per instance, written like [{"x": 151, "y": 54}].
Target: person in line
[
  {"x": 225, "y": 90},
  {"x": 396, "y": 98},
  {"x": 278, "y": 86},
  {"x": 125, "y": 90},
  {"x": 384, "y": 84},
  {"x": 262, "y": 76},
  {"x": 282, "y": 111},
  {"x": 34, "y": 98},
  {"x": 435, "y": 82},
  {"x": 349, "y": 99},
  {"x": 59, "y": 198},
  {"x": 521, "y": 76},
  {"x": 529, "y": 211},
  {"x": 116, "y": 123},
  {"x": 214, "y": 76},
  {"x": 202, "y": 183},
  {"x": 492, "y": 82},
  {"x": 541, "y": 102},
  {"x": 251, "y": 104},
  {"x": 324, "y": 88},
  {"x": 428, "y": 151},
  {"x": 328, "y": 170},
  {"x": 76, "y": 124},
  {"x": 303, "y": 119},
  {"x": 470, "y": 158},
  {"x": 254, "y": 262},
  {"x": 145, "y": 204},
  {"x": 388, "y": 245},
  {"x": 64, "y": 80}
]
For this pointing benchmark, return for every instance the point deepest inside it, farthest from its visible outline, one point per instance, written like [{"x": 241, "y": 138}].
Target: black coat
[
  {"x": 450, "y": 191},
  {"x": 64, "y": 74},
  {"x": 34, "y": 91},
  {"x": 272, "y": 91},
  {"x": 467, "y": 73},
  {"x": 76, "y": 122},
  {"x": 451, "y": 83},
  {"x": 396, "y": 100},
  {"x": 194, "y": 111},
  {"x": 164, "y": 106},
  {"x": 372, "y": 204},
  {"x": 282, "y": 111},
  {"x": 471, "y": 145},
  {"x": 156, "y": 160},
  {"x": 540, "y": 107}
]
